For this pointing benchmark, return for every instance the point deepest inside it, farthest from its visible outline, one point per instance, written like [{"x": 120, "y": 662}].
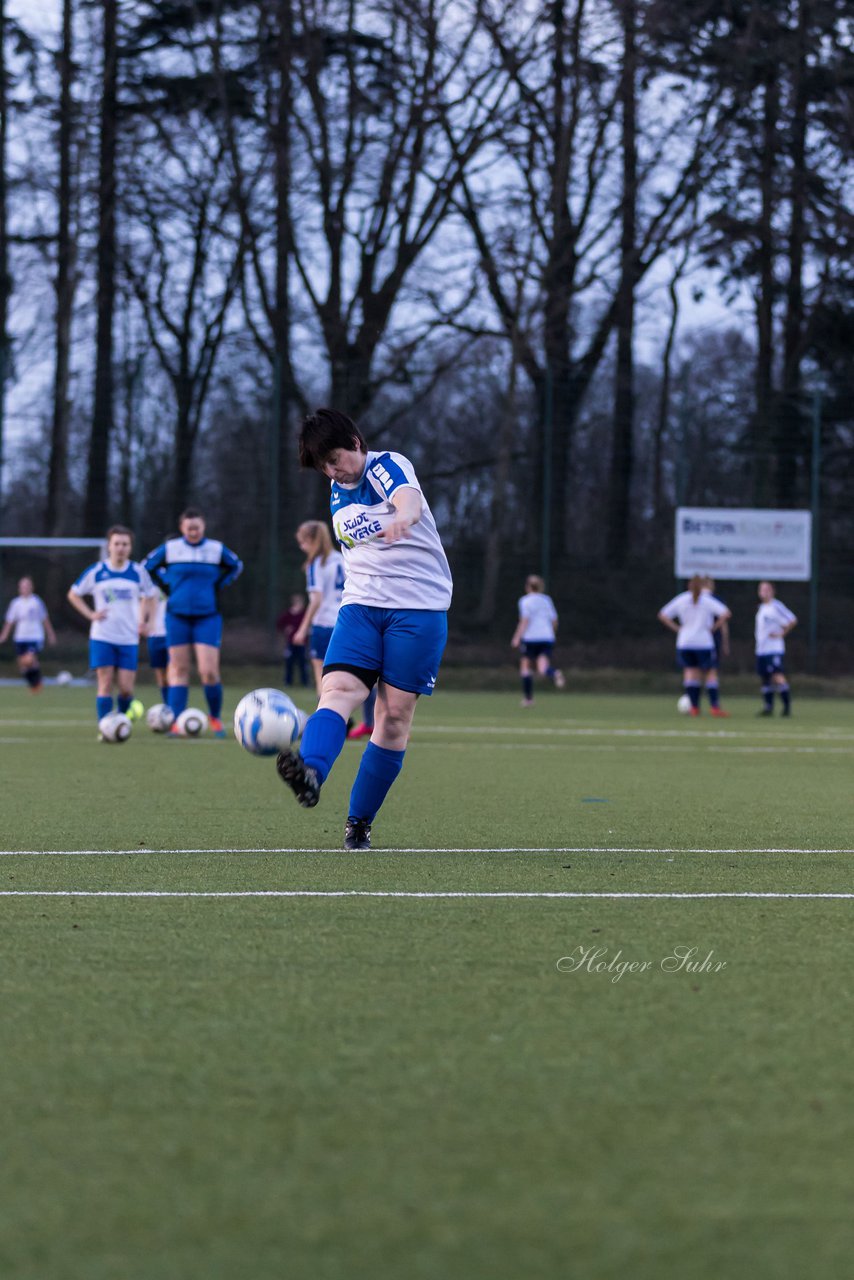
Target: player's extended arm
[
  {"x": 231, "y": 567},
  {"x": 669, "y": 623},
  {"x": 155, "y": 564},
  {"x": 315, "y": 600},
  {"x": 408, "y": 505},
  {"x": 77, "y": 601},
  {"x": 49, "y": 631},
  {"x": 519, "y": 632},
  {"x": 4, "y": 633}
]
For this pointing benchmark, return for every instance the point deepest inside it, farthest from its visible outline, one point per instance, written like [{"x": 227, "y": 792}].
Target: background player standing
[
  {"x": 123, "y": 597},
  {"x": 694, "y": 615},
  {"x": 392, "y": 627},
  {"x": 324, "y": 579},
  {"x": 190, "y": 570},
  {"x": 535, "y": 636},
  {"x": 27, "y": 613},
  {"x": 773, "y": 623}
]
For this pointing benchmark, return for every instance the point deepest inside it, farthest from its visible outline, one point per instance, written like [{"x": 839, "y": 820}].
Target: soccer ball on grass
[
  {"x": 683, "y": 706},
  {"x": 160, "y": 718},
  {"x": 192, "y": 722},
  {"x": 115, "y": 727},
  {"x": 266, "y": 722}
]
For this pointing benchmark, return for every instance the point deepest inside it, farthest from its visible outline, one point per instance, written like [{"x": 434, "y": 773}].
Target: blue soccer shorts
[
  {"x": 27, "y": 646},
  {"x": 104, "y": 654},
  {"x": 705, "y": 659},
  {"x": 534, "y": 648},
  {"x": 770, "y": 664},
  {"x": 402, "y": 647},
  {"x": 183, "y": 628},
  {"x": 319, "y": 642},
  {"x": 158, "y": 653}
]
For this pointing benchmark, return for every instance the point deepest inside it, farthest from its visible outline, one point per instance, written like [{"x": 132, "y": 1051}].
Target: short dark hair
[
  {"x": 119, "y": 528},
  {"x": 324, "y": 431},
  {"x": 191, "y": 513}
]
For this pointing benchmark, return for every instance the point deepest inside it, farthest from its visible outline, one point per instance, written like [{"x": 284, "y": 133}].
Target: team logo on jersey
[
  {"x": 359, "y": 527},
  {"x": 379, "y": 471}
]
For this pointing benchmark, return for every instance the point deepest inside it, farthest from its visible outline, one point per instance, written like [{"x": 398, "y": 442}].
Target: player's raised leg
[{"x": 323, "y": 737}]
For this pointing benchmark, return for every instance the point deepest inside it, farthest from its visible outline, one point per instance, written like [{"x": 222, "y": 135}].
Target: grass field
[{"x": 233, "y": 1052}]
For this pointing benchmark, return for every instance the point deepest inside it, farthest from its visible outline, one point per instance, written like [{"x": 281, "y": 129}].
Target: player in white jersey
[
  {"x": 694, "y": 616},
  {"x": 123, "y": 596},
  {"x": 28, "y": 615},
  {"x": 392, "y": 626},
  {"x": 534, "y": 637},
  {"x": 158, "y": 649},
  {"x": 773, "y": 623},
  {"x": 324, "y": 578}
]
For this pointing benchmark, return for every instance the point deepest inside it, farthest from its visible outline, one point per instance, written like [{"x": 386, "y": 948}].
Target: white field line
[
  {"x": 130, "y": 853},
  {"x": 672, "y": 749},
  {"x": 390, "y": 893}
]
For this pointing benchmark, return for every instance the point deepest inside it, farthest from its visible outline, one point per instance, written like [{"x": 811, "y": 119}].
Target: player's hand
[
  {"x": 299, "y": 637},
  {"x": 397, "y": 529},
  {"x": 514, "y": 644},
  {"x": 99, "y": 615},
  {"x": 143, "y": 629}
]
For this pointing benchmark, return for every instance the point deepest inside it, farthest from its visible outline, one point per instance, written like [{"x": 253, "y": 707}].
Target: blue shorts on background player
[
  {"x": 190, "y": 570},
  {"x": 392, "y": 624}
]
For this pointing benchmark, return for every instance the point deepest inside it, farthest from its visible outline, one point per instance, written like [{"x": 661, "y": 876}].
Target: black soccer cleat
[
  {"x": 300, "y": 777},
  {"x": 766, "y": 711},
  {"x": 357, "y": 834}
]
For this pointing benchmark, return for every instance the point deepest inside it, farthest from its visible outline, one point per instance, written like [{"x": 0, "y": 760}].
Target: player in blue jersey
[
  {"x": 28, "y": 615},
  {"x": 123, "y": 597},
  {"x": 534, "y": 637},
  {"x": 191, "y": 570},
  {"x": 392, "y": 626}
]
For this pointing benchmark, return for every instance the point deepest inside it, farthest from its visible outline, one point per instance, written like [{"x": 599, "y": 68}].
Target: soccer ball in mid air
[
  {"x": 683, "y": 706},
  {"x": 64, "y": 677},
  {"x": 160, "y": 718},
  {"x": 192, "y": 722},
  {"x": 266, "y": 722},
  {"x": 115, "y": 727}
]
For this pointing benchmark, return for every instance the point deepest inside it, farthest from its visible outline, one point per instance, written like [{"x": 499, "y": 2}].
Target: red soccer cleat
[
  {"x": 216, "y": 727},
  {"x": 695, "y": 711},
  {"x": 360, "y": 731},
  {"x": 719, "y": 712}
]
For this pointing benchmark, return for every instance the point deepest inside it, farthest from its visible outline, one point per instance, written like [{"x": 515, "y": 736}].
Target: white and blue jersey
[
  {"x": 191, "y": 574},
  {"x": 696, "y": 619},
  {"x": 327, "y": 580},
  {"x": 412, "y": 573},
  {"x": 27, "y": 614},
  {"x": 540, "y": 616},
  {"x": 118, "y": 592},
  {"x": 771, "y": 619}
]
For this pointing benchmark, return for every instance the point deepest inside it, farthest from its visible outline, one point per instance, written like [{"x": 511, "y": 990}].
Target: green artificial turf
[{"x": 383, "y": 1087}]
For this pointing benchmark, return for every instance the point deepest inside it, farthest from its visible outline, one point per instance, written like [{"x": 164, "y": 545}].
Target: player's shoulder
[{"x": 391, "y": 470}]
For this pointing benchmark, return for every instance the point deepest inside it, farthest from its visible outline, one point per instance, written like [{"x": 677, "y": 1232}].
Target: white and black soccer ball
[
  {"x": 683, "y": 706},
  {"x": 160, "y": 718},
  {"x": 192, "y": 722},
  {"x": 115, "y": 727},
  {"x": 266, "y": 722},
  {"x": 64, "y": 677}
]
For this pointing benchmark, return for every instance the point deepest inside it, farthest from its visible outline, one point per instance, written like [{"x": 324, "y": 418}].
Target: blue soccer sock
[
  {"x": 322, "y": 740},
  {"x": 33, "y": 677},
  {"x": 785, "y": 696},
  {"x": 712, "y": 691},
  {"x": 378, "y": 769},
  {"x": 693, "y": 692},
  {"x": 527, "y": 688},
  {"x": 213, "y": 694},
  {"x": 768, "y": 696},
  {"x": 124, "y": 700},
  {"x": 176, "y": 698},
  {"x": 103, "y": 706}
]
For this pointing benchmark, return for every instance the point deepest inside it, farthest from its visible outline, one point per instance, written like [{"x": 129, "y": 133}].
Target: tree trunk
[
  {"x": 5, "y": 279},
  {"x": 762, "y": 442},
  {"x": 283, "y": 372},
  {"x": 790, "y": 443},
  {"x": 498, "y": 505},
  {"x": 57, "y": 483},
  {"x": 185, "y": 435},
  {"x": 97, "y": 500},
  {"x": 622, "y": 450}
]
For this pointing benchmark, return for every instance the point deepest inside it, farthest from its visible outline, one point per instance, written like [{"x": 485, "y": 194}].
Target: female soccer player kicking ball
[{"x": 392, "y": 627}]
